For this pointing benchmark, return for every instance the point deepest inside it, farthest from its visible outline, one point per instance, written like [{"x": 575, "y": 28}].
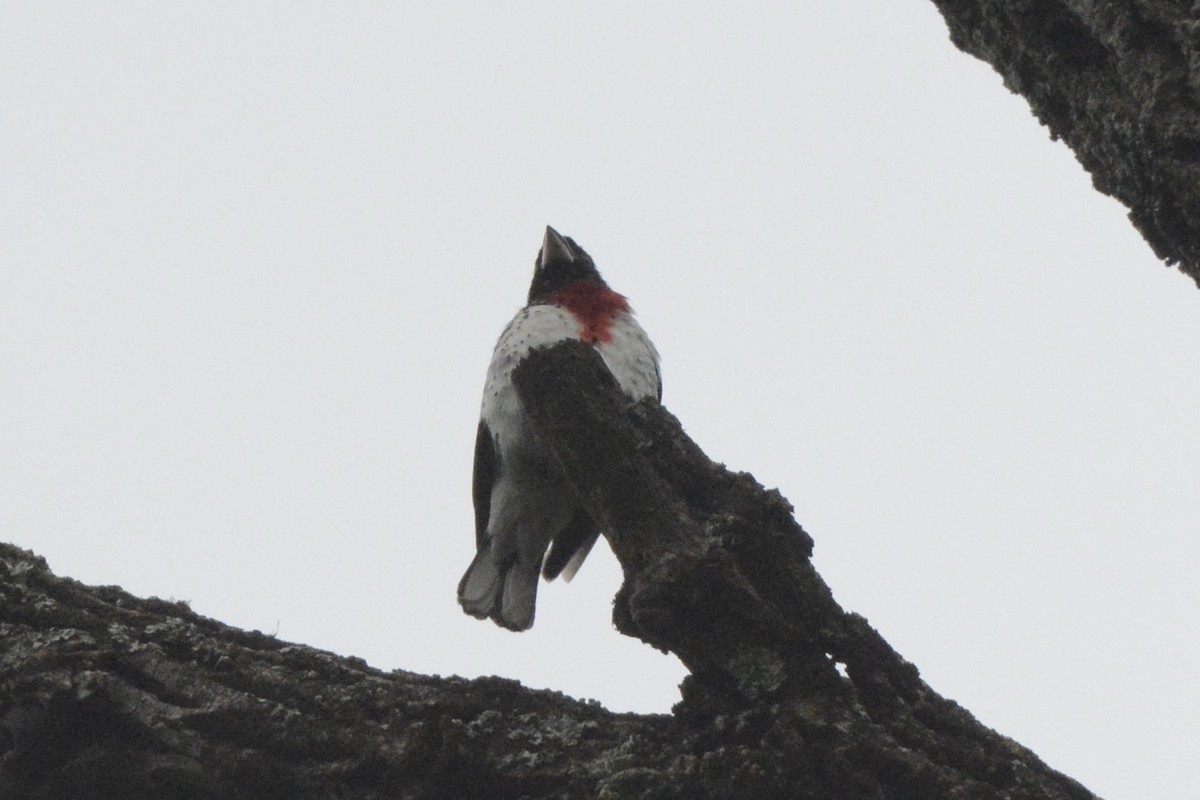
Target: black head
[{"x": 560, "y": 262}]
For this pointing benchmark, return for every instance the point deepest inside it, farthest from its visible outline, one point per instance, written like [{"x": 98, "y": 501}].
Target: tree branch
[
  {"x": 718, "y": 572},
  {"x": 1119, "y": 82},
  {"x": 106, "y": 695}
]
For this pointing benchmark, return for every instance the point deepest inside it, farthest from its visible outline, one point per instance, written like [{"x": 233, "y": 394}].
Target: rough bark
[
  {"x": 107, "y": 695},
  {"x": 1119, "y": 82}
]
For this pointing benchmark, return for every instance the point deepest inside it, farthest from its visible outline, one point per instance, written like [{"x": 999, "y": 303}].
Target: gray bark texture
[
  {"x": 1119, "y": 82},
  {"x": 104, "y": 695}
]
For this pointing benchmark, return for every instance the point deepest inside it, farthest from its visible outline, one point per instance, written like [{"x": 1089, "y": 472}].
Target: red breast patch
[{"x": 595, "y": 307}]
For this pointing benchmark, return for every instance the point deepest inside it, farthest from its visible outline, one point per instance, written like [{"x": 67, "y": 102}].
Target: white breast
[
  {"x": 629, "y": 355},
  {"x": 631, "y": 358}
]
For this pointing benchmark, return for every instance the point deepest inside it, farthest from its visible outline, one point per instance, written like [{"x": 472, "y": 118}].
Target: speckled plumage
[{"x": 523, "y": 503}]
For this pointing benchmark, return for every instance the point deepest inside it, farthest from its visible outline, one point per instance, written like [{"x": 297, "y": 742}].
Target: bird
[{"x": 528, "y": 516}]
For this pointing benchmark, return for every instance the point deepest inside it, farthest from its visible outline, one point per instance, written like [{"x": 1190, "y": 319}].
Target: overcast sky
[{"x": 254, "y": 257}]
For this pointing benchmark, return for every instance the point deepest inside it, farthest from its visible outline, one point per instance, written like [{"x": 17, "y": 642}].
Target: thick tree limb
[
  {"x": 106, "y": 695},
  {"x": 718, "y": 572},
  {"x": 1119, "y": 82}
]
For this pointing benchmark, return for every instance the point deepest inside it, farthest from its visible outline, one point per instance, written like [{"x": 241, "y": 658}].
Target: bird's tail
[{"x": 504, "y": 592}]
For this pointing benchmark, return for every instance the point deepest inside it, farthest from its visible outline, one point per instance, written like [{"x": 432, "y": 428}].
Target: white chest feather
[{"x": 629, "y": 355}]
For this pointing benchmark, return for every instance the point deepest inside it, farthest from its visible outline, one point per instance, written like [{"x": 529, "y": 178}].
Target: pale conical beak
[{"x": 554, "y": 248}]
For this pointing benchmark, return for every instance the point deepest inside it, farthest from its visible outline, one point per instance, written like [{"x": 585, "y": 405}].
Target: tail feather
[
  {"x": 479, "y": 589},
  {"x": 505, "y": 593},
  {"x": 518, "y": 599}
]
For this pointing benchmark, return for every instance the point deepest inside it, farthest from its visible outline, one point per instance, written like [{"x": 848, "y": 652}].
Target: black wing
[
  {"x": 580, "y": 534},
  {"x": 486, "y": 464}
]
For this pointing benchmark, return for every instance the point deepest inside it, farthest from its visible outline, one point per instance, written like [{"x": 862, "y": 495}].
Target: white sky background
[{"x": 253, "y": 262}]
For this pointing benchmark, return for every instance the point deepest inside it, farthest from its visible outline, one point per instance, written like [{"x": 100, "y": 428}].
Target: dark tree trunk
[
  {"x": 107, "y": 695},
  {"x": 1119, "y": 82}
]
